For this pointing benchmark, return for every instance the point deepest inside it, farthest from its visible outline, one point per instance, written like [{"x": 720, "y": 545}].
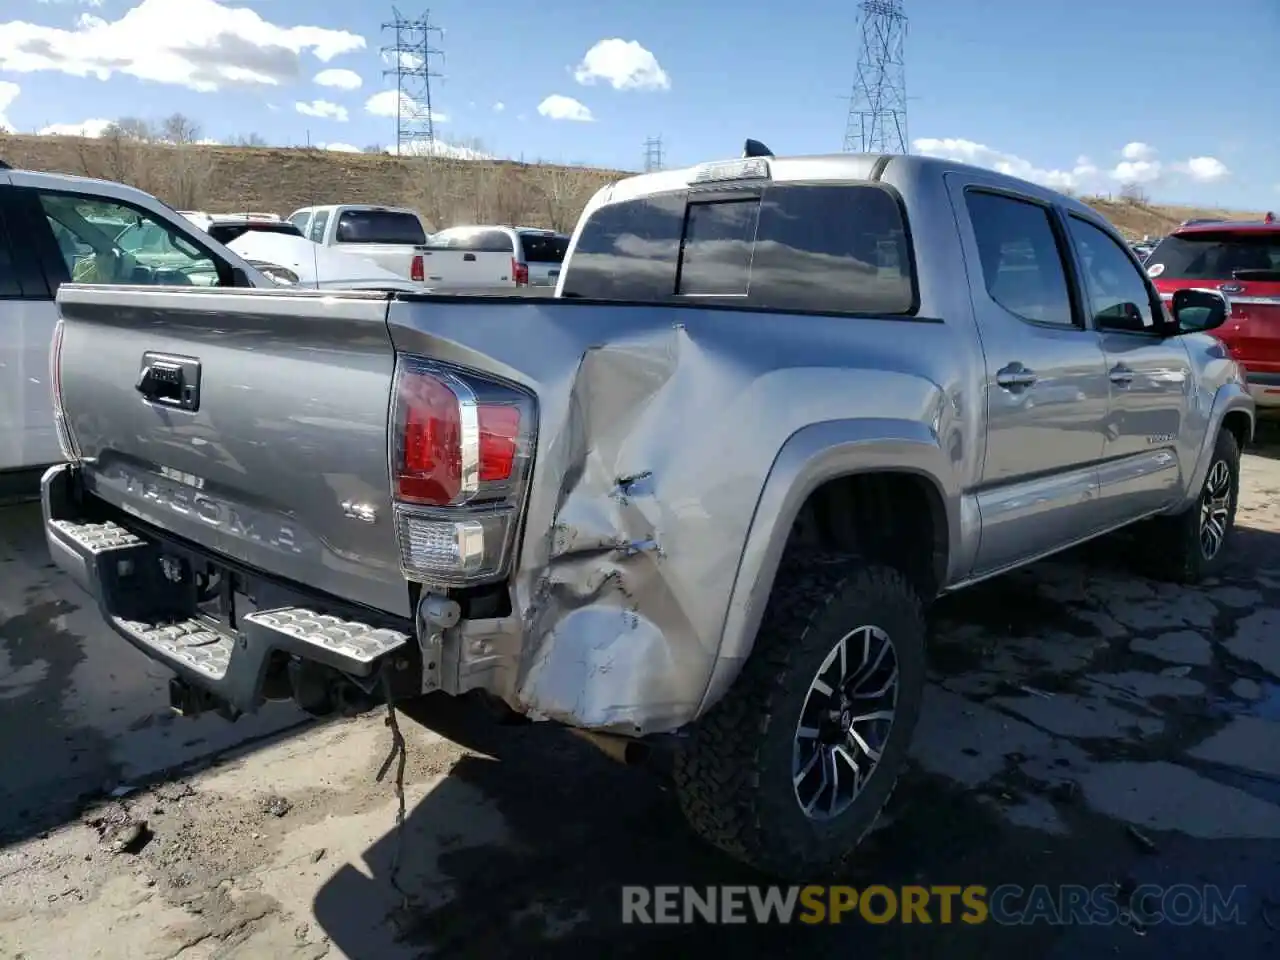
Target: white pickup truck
[
  {"x": 494, "y": 256},
  {"x": 392, "y": 237}
]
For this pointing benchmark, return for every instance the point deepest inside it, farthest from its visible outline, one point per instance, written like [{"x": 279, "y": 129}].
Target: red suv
[{"x": 1241, "y": 259}]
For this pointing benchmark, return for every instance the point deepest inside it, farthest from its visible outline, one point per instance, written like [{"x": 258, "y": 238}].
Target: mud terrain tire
[
  {"x": 1177, "y": 552},
  {"x": 734, "y": 774}
]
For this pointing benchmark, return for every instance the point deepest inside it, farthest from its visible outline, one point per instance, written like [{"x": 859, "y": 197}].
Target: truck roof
[{"x": 832, "y": 167}]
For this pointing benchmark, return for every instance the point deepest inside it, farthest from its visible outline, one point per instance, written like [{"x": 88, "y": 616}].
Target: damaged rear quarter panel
[{"x": 658, "y": 427}]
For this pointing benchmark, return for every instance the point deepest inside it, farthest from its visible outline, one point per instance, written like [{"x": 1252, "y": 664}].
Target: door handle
[
  {"x": 469, "y": 257},
  {"x": 169, "y": 381},
  {"x": 1015, "y": 377},
  {"x": 1121, "y": 375}
]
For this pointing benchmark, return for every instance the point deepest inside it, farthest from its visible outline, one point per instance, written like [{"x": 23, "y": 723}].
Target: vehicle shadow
[
  {"x": 1266, "y": 439},
  {"x": 81, "y": 712},
  {"x": 523, "y": 848}
]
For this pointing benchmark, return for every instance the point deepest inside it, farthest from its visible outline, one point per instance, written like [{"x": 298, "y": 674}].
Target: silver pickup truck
[{"x": 776, "y": 407}]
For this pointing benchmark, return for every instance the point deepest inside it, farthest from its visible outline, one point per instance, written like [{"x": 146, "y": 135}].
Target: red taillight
[
  {"x": 519, "y": 272},
  {"x": 431, "y": 458},
  {"x": 416, "y": 271},
  {"x": 499, "y": 437},
  {"x": 450, "y": 441}
]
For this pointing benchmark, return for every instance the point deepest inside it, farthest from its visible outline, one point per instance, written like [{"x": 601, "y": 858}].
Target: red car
[{"x": 1242, "y": 260}]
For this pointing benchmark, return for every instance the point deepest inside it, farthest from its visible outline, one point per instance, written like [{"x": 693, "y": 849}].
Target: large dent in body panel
[{"x": 609, "y": 642}]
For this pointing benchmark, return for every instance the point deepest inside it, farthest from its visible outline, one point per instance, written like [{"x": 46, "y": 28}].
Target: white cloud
[
  {"x": 1137, "y": 150},
  {"x": 499, "y": 107},
  {"x": 8, "y": 93},
  {"x": 438, "y": 148},
  {"x": 624, "y": 65},
  {"x": 980, "y": 155},
  {"x": 410, "y": 61},
  {"x": 1138, "y": 165},
  {"x": 199, "y": 44},
  {"x": 557, "y": 107},
  {"x": 1137, "y": 171},
  {"x": 384, "y": 105},
  {"x": 323, "y": 109},
  {"x": 90, "y": 128},
  {"x": 340, "y": 79},
  {"x": 341, "y": 148},
  {"x": 1205, "y": 169}
]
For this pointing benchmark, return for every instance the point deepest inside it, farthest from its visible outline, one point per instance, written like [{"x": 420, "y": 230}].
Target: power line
[
  {"x": 411, "y": 55},
  {"x": 653, "y": 154},
  {"x": 877, "y": 119}
]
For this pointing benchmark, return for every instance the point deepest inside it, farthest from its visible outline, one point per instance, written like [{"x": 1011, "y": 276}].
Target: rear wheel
[
  {"x": 791, "y": 769},
  {"x": 1193, "y": 544}
]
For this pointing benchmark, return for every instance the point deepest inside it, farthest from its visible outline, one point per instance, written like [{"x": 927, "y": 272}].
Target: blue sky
[{"x": 1078, "y": 93}]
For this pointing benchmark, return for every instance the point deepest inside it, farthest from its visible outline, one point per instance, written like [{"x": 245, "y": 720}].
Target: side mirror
[{"x": 1196, "y": 309}]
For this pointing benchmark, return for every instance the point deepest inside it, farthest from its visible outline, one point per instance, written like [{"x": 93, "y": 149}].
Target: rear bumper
[
  {"x": 131, "y": 578},
  {"x": 1264, "y": 388}
]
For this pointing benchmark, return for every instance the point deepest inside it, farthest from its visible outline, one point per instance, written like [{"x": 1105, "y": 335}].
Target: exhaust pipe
[{"x": 624, "y": 750}]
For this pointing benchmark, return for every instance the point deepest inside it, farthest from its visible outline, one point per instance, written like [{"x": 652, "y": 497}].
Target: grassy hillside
[{"x": 445, "y": 192}]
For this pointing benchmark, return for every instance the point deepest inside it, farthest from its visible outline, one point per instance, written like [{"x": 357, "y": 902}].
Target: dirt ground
[{"x": 1083, "y": 725}]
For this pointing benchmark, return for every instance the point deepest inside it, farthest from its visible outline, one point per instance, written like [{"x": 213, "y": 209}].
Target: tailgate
[
  {"x": 279, "y": 458},
  {"x": 396, "y": 257},
  {"x": 1253, "y": 329},
  {"x": 466, "y": 268}
]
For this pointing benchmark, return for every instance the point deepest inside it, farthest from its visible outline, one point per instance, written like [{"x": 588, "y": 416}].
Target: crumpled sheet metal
[{"x": 616, "y": 635}]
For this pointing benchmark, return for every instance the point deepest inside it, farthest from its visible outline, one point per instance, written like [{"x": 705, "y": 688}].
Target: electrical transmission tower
[
  {"x": 411, "y": 55},
  {"x": 652, "y": 154},
  {"x": 877, "y": 120}
]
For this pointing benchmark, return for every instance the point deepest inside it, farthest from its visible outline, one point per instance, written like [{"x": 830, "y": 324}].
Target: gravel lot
[{"x": 1084, "y": 726}]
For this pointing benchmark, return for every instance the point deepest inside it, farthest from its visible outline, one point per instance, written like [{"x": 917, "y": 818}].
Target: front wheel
[
  {"x": 1192, "y": 545},
  {"x": 791, "y": 769}
]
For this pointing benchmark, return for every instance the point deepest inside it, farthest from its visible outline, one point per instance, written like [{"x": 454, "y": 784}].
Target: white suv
[{"x": 55, "y": 229}]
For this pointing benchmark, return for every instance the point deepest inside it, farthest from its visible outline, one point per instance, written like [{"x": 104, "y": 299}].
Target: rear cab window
[
  {"x": 1224, "y": 254},
  {"x": 544, "y": 247},
  {"x": 380, "y": 226},
  {"x": 225, "y": 233},
  {"x": 800, "y": 247}
]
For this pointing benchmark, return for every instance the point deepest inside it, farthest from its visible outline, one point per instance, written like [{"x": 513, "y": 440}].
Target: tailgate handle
[
  {"x": 170, "y": 381},
  {"x": 469, "y": 257}
]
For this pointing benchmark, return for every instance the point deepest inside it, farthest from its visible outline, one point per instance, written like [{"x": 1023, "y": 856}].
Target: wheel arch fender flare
[{"x": 810, "y": 457}]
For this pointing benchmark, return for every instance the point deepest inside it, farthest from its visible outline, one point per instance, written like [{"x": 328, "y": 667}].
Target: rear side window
[
  {"x": 379, "y": 226},
  {"x": 1022, "y": 266},
  {"x": 835, "y": 248},
  {"x": 318, "y": 223},
  {"x": 1217, "y": 255},
  {"x": 544, "y": 247}
]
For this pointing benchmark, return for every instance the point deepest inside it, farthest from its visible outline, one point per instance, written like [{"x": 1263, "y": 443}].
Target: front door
[
  {"x": 1046, "y": 381},
  {"x": 1149, "y": 376}
]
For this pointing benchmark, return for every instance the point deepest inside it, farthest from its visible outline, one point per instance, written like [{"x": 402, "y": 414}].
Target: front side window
[
  {"x": 106, "y": 242},
  {"x": 1118, "y": 295},
  {"x": 1022, "y": 266}
]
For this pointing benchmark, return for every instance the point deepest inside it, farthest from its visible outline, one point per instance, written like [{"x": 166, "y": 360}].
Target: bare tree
[
  {"x": 131, "y": 128},
  {"x": 374, "y": 148},
  {"x": 249, "y": 140},
  {"x": 1133, "y": 193},
  {"x": 178, "y": 128},
  {"x": 562, "y": 192}
]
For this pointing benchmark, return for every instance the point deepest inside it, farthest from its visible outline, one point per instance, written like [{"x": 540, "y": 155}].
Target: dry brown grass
[{"x": 445, "y": 192}]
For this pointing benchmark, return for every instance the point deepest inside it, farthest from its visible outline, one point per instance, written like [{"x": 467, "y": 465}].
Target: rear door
[
  {"x": 27, "y": 316},
  {"x": 1046, "y": 380},
  {"x": 1149, "y": 376},
  {"x": 1244, "y": 263}
]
